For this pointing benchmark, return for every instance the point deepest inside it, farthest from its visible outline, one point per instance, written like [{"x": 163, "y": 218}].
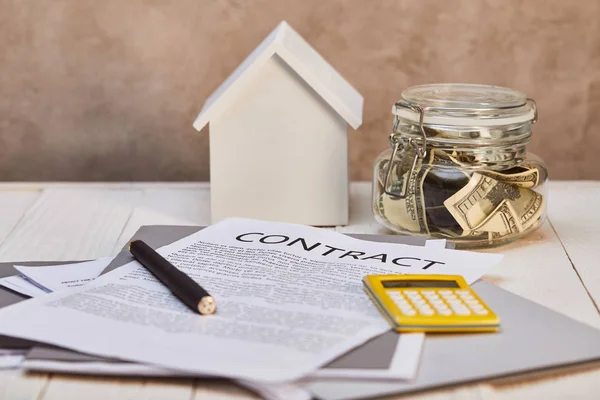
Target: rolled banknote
[
  {"x": 523, "y": 176},
  {"x": 471, "y": 205}
]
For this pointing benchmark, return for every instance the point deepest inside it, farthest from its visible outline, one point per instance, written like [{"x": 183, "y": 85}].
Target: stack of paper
[{"x": 290, "y": 301}]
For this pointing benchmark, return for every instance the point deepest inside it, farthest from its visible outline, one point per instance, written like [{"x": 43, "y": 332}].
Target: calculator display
[{"x": 419, "y": 284}]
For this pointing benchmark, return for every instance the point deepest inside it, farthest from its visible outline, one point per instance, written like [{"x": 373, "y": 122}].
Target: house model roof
[{"x": 304, "y": 60}]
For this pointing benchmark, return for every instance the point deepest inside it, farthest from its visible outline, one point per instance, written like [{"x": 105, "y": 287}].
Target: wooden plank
[
  {"x": 22, "y": 186},
  {"x": 538, "y": 258},
  {"x": 70, "y": 224},
  {"x": 167, "y": 207},
  {"x": 15, "y": 385},
  {"x": 574, "y": 215},
  {"x": 64, "y": 387},
  {"x": 13, "y": 205},
  {"x": 221, "y": 390}
]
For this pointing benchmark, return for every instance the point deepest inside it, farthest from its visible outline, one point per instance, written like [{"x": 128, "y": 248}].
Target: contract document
[{"x": 289, "y": 299}]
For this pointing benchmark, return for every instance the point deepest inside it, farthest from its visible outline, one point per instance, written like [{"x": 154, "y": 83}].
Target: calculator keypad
[{"x": 442, "y": 303}]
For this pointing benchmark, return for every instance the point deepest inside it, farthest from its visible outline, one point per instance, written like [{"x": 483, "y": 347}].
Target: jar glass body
[{"x": 481, "y": 192}]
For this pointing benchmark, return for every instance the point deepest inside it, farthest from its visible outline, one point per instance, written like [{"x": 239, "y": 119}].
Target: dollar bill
[
  {"x": 471, "y": 205},
  {"x": 529, "y": 207},
  {"x": 503, "y": 221},
  {"x": 525, "y": 176},
  {"x": 407, "y": 213}
]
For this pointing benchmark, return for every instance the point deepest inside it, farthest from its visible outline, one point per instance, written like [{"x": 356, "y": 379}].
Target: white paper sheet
[
  {"x": 11, "y": 361},
  {"x": 21, "y": 285},
  {"x": 58, "y": 277},
  {"x": 402, "y": 367},
  {"x": 12, "y": 352},
  {"x": 435, "y": 243},
  {"x": 289, "y": 299}
]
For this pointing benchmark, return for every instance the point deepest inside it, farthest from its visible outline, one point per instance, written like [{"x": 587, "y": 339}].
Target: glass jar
[{"x": 458, "y": 167}]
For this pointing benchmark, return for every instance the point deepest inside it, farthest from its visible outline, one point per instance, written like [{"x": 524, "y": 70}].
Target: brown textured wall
[{"x": 108, "y": 90}]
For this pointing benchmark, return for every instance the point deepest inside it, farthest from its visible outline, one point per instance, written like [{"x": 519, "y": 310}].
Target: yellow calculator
[{"x": 430, "y": 303}]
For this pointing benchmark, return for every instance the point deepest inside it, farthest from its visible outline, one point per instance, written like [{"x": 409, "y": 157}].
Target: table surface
[{"x": 556, "y": 266}]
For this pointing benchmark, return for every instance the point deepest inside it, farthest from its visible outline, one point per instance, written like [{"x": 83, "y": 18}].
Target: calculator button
[
  {"x": 410, "y": 292},
  {"x": 463, "y": 292},
  {"x": 461, "y": 310},
  {"x": 410, "y": 312},
  {"x": 426, "y": 310},
  {"x": 427, "y": 292},
  {"x": 481, "y": 312},
  {"x": 477, "y": 308},
  {"x": 444, "y": 311},
  {"x": 454, "y": 302},
  {"x": 450, "y": 297},
  {"x": 445, "y": 292}
]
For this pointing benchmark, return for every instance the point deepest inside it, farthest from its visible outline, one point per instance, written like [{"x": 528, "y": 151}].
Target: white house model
[{"x": 278, "y": 136}]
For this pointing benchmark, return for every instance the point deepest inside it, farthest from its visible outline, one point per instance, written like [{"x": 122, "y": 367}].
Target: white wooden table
[{"x": 557, "y": 266}]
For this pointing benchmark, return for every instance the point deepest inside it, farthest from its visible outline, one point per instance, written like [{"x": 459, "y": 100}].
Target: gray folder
[{"x": 532, "y": 338}]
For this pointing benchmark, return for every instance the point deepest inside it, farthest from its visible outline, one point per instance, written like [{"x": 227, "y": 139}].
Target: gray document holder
[{"x": 532, "y": 338}]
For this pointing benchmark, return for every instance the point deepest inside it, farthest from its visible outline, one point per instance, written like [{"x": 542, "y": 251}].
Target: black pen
[{"x": 181, "y": 285}]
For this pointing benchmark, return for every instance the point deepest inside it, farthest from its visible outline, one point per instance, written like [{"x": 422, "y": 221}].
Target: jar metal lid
[{"x": 456, "y": 104}]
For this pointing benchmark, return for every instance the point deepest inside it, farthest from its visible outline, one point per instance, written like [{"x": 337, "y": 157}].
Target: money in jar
[{"x": 458, "y": 167}]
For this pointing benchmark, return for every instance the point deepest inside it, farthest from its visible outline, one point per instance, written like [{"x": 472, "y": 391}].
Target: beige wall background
[{"x": 108, "y": 90}]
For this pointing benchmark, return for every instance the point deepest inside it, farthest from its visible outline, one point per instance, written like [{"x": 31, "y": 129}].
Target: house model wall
[{"x": 278, "y": 136}]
